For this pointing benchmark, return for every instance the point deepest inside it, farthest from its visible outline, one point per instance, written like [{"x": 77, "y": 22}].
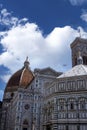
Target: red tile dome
[{"x": 20, "y": 79}]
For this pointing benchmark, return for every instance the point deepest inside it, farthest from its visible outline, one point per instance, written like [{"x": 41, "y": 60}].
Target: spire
[
  {"x": 79, "y": 58},
  {"x": 26, "y": 63}
]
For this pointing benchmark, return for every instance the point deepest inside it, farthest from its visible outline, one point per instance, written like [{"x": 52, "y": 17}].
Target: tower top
[{"x": 79, "y": 44}]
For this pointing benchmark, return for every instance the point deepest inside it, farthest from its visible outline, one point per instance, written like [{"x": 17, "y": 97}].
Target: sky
[{"x": 40, "y": 29}]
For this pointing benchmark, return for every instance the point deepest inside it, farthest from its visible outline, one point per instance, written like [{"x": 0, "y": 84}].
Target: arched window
[
  {"x": 71, "y": 105},
  {"x": 82, "y": 103},
  {"x": 25, "y": 125},
  {"x": 61, "y": 104}
]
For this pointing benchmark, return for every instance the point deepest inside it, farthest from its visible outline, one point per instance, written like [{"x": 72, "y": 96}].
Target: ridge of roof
[{"x": 77, "y": 70}]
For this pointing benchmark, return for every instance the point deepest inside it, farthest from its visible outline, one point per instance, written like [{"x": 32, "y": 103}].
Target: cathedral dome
[{"x": 21, "y": 79}]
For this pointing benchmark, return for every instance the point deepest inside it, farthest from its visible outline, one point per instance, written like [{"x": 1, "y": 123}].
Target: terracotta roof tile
[{"x": 21, "y": 78}]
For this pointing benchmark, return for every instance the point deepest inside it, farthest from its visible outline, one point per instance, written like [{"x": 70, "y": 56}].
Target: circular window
[{"x": 26, "y": 106}]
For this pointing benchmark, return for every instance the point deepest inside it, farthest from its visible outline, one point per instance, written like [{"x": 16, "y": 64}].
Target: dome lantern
[{"x": 26, "y": 63}]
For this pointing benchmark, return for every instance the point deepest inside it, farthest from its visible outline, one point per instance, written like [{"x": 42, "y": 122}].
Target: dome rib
[{"x": 26, "y": 77}]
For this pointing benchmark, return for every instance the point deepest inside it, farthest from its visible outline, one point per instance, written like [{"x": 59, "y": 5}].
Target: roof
[
  {"x": 22, "y": 78},
  {"x": 78, "y": 40},
  {"x": 77, "y": 70},
  {"x": 47, "y": 71}
]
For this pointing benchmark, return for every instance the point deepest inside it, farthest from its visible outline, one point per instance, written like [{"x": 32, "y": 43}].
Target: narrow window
[{"x": 71, "y": 106}]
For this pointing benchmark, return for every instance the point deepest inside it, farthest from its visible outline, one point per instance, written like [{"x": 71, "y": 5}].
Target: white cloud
[
  {"x": 6, "y": 77},
  {"x": 28, "y": 40},
  {"x": 77, "y": 2},
  {"x": 7, "y": 19},
  {"x": 1, "y": 94},
  {"x": 25, "y": 39},
  {"x": 84, "y": 16}
]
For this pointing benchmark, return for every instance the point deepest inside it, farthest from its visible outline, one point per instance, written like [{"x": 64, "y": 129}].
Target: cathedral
[{"x": 45, "y": 99}]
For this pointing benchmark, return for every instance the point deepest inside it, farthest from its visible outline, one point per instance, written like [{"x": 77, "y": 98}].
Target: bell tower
[{"x": 79, "y": 45}]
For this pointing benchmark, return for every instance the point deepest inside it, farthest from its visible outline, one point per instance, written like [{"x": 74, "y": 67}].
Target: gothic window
[
  {"x": 71, "y": 105},
  {"x": 61, "y": 107},
  {"x": 71, "y": 85},
  {"x": 49, "y": 108},
  {"x": 49, "y": 112},
  {"x": 82, "y": 103},
  {"x": 61, "y": 104},
  {"x": 61, "y": 86},
  {"x": 25, "y": 125},
  {"x": 17, "y": 118},
  {"x": 81, "y": 84}
]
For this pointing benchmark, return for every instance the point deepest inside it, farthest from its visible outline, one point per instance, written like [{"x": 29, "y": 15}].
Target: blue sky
[{"x": 41, "y": 30}]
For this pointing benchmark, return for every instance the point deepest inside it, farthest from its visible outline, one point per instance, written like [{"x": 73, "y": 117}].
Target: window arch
[
  {"x": 61, "y": 104},
  {"x": 25, "y": 125},
  {"x": 82, "y": 103},
  {"x": 71, "y": 103}
]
